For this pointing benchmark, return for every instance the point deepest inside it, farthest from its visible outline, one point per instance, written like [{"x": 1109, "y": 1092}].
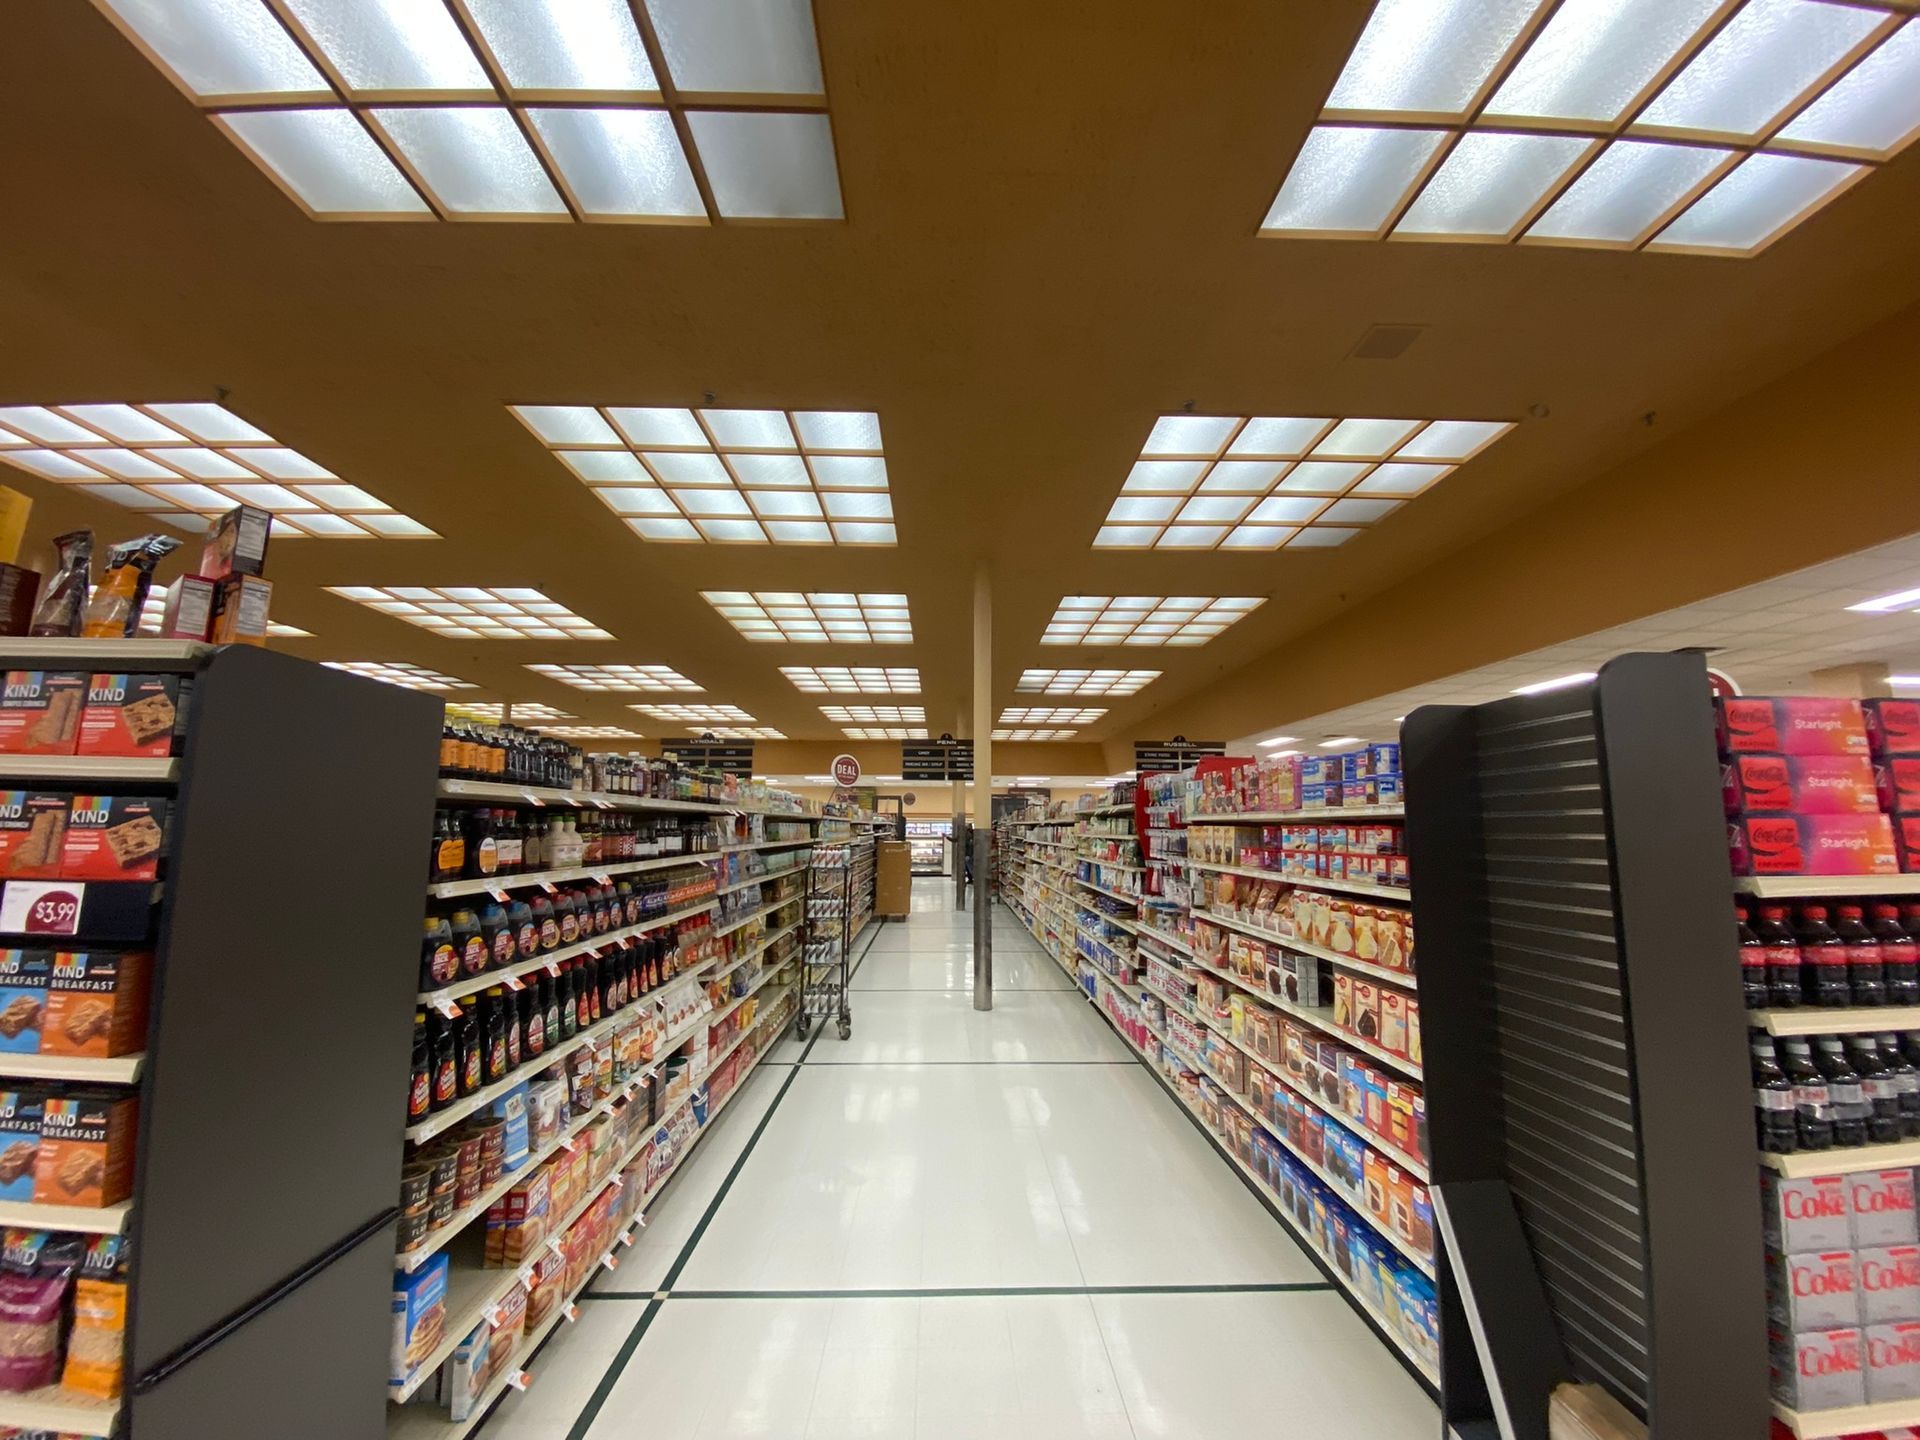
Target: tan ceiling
[{"x": 1050, "y": 240}]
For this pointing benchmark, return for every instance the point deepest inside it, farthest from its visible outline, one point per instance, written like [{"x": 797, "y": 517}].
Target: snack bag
[
  {"x": 114, "y": 610},
  {"x": 64, "y": 605}
]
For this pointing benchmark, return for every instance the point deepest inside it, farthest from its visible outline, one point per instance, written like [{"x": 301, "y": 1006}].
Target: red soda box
[
  {"x": 1814, "y": 1291},
  {"x": 1818, "y": 1369},
  {"x": 1893, "y": 1361},
  {"x": 1889, "y": 1283},
  {"x": 1881, "y": 1204},
  {"x": 1790, "y": 725},
  {"x": 1893, "y": 726},
  {"x": 1801, "y": 785},
  {"x": 1896, "y": 780},
  {"x": 1812, "y": 845},
  {"x": 1809, "y": 1214}
]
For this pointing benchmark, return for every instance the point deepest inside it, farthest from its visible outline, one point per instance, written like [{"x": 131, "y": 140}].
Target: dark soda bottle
[
  {"x": 1882, "y": 1091},
  {"x": 1773, "y": 1100},
  {"x": 1899, "y": 954},
  {"x": 1823, "y": 959},
  {"x": 1753, "y": 961},
  {"x": 1783, "y": 958},
  {"x": 1906, "y": 1081},
  {"x": 1812, "y": 1101},
  {"x": 1849, "y": 1095},
  {"x": 1866, "y": 976}
]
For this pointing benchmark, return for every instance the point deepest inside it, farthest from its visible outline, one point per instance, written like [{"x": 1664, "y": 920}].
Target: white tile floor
[{"x": 1018, "y": 1154}]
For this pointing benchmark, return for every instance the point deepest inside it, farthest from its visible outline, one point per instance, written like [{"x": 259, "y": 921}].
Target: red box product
[
  {"x": 114, "y": 837},
  {"x": 1897, "y": 779},
  {"x": 1893, "y": 726},
  {"x": 1790, "y": 725},
  {"x": 1800, "y": 785},
  {"x": 40, "y": 711},
  {"x": 1812, "y": 845}
]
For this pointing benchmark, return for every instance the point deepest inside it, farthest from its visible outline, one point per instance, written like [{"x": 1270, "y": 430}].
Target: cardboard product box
[
  {"x": 24, "y": 975},
  {"x": 1799, "y": 785},
  {"x": 1893, "y": 726},
  {"x": 97, "y": 1003},
  {"x": 237, "y": 544},
  {"x": 1808, "y": 1214},
  {"x": 86, "y": 1150},
  {"x": 33, "y": 832},
  {"x": 20, "y": 1114},
  {"x": 1813, "y": 1290},
  {"x": 1812, "y": 845},
  {"x": 114, "y": 837},
  {"x": 40, "y": 711},
  {"x": 1889, "y": 1281},
  {"x": 1881, "y": 1203},
  {"x": 1818, "y": 1369},
  {"x": 1893, "y": 1361},
  {"x": 240, "y": 607},
  {"x": 1790, "y": 725},
  {"x": 134, "y": 714},
  {"x": 419, "y": 1317},
  {"x": 188, "y": 613}
]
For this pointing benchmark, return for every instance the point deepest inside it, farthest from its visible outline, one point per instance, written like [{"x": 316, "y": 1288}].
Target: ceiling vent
[{"x": 1386, "y": 342}]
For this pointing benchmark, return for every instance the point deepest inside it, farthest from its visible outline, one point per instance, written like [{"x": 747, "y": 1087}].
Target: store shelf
[
  {"x": 1788, "y": 887},
  {"x": 145, "y": 770},
  {"x": 1281, "y": 817},
  {"x": 448, "y": 889},
  {"x": 1114, "y": 894},
  {"x": 88, "y": 1220},
  {"x": 55, "y": 1410},
  {"x": 1306, "y": 882},
  {"x": 120, "y": 1070},
  {"x": 433, "y": 999},
  {"x": 1904, "y": 1154},
  {"x": 1813, "y": 1020}
]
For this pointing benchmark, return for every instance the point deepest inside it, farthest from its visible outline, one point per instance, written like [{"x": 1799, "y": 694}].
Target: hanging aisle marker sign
[
  {"x": 846, "y": 770},
  {"x": 945, "y": 759},
  {"x": 1160, "y": 757}
]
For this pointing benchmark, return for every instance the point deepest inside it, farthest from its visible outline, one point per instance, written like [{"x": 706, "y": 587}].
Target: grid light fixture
[
  {"x": 589, "y": 732},
  {"x": 853, "y": 680},
  {"x": 1206, "y": 482},
  {"x": 525, "y": 712},
  {"x": 476, "y": 612},
  {"x": 1084, "y": 682},
  {"x": 1048, "y": 715},
  {"x": 740, "y": 477},
  {"x": 620, "y": 679},
  {"x": 670, "y": 111},
  {"x": 815, "y": 618},
  {"x": 188, "y": 462},
  {"x": 1692, "y": 126},
  {"x": 1145, "y": 619},
  {"x": 400, "y": 672},
  {"x": 1024, "y": 735},
  {"x": 153, "y": 612}
]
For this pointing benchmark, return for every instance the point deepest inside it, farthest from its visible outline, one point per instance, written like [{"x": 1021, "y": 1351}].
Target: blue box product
[
  {"x": 419, "y": 1317},
  {"x": 20, "y": 1112},
  {"x": 24, "y": 978}
]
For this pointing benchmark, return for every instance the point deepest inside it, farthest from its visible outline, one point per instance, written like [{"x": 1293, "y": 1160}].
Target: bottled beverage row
[
  {"x": 1830, "y": 954},
  {"x": 509, "y": 755},
  {"x": 1832, "y": 1092},
  {"x": 476, "y": 843},
  {"x": 467, "y": 940}
]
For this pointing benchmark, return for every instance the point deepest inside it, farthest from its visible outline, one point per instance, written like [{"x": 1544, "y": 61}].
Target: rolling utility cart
[{"x": 839, "y": 904}]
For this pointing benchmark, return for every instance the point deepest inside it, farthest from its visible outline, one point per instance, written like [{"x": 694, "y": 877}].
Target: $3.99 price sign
[{"x": 42, "y": 907}]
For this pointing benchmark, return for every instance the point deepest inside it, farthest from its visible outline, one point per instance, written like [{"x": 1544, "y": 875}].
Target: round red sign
[{"x": 846, "y": 770}]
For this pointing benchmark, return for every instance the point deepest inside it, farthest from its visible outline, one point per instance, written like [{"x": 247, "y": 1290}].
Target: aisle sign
[
  {"x": 846, "y": 771},
  {"x": 1160, "y": 757},
  {"x": 729, "y": 757},
  {"x": 942, "y": 760}
]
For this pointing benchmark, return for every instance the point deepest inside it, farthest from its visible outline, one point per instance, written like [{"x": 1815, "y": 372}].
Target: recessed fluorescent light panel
[
  {"x": 670, "y": 111},
  {"x": 1025, "y": 735},
  {"x": 1559, "y": 682},
  {"x": 1233, "y": 482},
  {"x": 1084, "y": 682},
  {"x": 853, "y": 680},
  {"x": 1145, "y": 619},
  {"x": 816, "y": 617},
  {"x": 1696, "y": 126},
  {"x": 739, "y": 477},
  {"x": 475, "y": 612},
  {"x": 401, "y": 673},
  {"x": 524, "y": 712},
  {"x": 875, "y": 714},
  {"x": 1047, "y": 715},
  {"x": 623, "y": 679},
  {"x": 185, "y": 463},
  {"x": 589, "y": 732}
]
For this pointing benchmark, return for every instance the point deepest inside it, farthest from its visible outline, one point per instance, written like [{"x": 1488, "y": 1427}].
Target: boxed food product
[
  {"x": 1799, "y": 784},
  {"x": 1893, "y": 726},
  {"x": 188, "y": 613},
  {"x": 20, "y": 1112},
  {"x": 237, "y": 544},
  {"x": 33, "y": 832},
  {"x": 1790, "y": 725},
  {"x": 1893, "y": 1362},
  {"x": 114, "y": 837},
  {"x": 240, "y": 607},
  {"x": 97, "y": 1003},
  {"x": 419, "y": 1317},
  {"x": 24, "y": 975},
  {"x": 86, "y": 1150},
  {"x": 1812, "y": 845},
  {"x": 40, "y": 711},
  {"x": 134, "y": 714}
]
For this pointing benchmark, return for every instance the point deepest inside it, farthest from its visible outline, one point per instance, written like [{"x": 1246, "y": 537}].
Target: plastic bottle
[
  {"x": 1753, "y": 961},
  {"x": 1773, "y": 1100},
  {"x": 1823, "y": 960},
  {"x": 1783, "y": 958},
  {"x": 1849, "y": 1094},
  {"x": 1812, "y": 1100},
  {"x": 1899, "y": 954},
  {"x": 1882, "y": 1091},
  {"x": 1866, "y": 975}
]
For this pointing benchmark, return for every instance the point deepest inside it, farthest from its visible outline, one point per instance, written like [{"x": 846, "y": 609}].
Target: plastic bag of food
[
  {"x": 114, "y": 611},
  {"x": 64, "y": 605}
]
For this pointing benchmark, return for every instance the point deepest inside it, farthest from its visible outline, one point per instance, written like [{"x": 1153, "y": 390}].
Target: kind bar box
[
  {"x": 1791, "y": 725},
  {"x": 1809, "y": 1214},
  {"x": 96, "y": 1004},
  {"x": 1812, "y": 845},
  {"x": 40, "y": 711},
  {"x": 1800, "y": 784},
  {"x": 1893, "y": 1362},
  {"x": 114, "y": 837},
  {"x": 237, "y": 544},
  {"x": 1889, "y": 1281},
  {"x": 1882, "y": 1207},
  {"x": 1818, "y": 1369},
  {"x": 23, "y": 999},
  {"x": 20, "y": 1112},
  {"x": 86, "y": 1150},
  {"x": 240, "y": 605},
  {"x": 1813, "y": 1291},
  {"x": 134, "y": 714},
  {"x": 33, "y": 832},
  {"x": 188, "y": 613},
  {"x": 1893, "y": 726}
]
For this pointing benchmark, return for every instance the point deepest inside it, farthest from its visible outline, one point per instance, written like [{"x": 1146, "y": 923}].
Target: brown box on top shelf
[
  {"x": 237, "y": 544},
  {"x": 40, "y": 711},
  {"x": 240, "y": 606},
  {"x": 86, "y": 1150},
  {"x": 96, "y": 1004}
]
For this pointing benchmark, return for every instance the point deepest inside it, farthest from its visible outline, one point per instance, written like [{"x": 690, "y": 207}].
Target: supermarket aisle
[{"x": 960, "y": 1224}]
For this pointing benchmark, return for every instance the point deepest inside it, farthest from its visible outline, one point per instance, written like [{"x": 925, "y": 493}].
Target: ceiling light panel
[
  {"x": 1526, "y": 121},
  {"x": 1084, "y": 682},
  {"x": 620, "y": 679},
  {"x": 475, "y": 612},
  {"x": 186, "y": 463},
  {"x": 512, "y": 109},
  {"x": 853, "y": 680},
  {"x": 400, "y": 672},
  {"x": 1266, "y": 482},
  {"x": 815, "y": 617},
  {"x": 727, "y": 476},
  {"x": 525, "y": 712},
  {"x": 1048, "y": 715},
  {"x": 875, "y": 714}
]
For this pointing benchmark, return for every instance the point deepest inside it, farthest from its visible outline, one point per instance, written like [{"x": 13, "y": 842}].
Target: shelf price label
[{"x": 42, "y": 908}]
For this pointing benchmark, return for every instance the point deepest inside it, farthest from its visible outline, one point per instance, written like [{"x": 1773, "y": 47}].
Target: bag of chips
[{"x": 114, "y": 611}]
